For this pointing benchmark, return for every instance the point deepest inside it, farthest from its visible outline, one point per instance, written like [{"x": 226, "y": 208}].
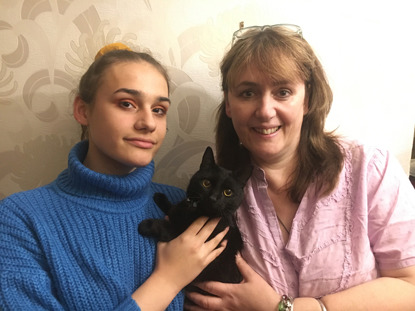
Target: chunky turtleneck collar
[{"x": 80, "y": 181}]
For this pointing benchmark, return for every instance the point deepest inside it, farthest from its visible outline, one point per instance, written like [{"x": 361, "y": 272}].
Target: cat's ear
[
  {"x": 208, "y": 159},
  {"x": 243, "y": 174}
]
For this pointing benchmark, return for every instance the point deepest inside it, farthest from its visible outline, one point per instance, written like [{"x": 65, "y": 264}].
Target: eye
[
  {"x": 159, "y": 111},
  {"x": 206, "y": 183},
  {"x": 126, "y": 104},
  {"x": 227, "y": 192},
  {"x": 161, "y": 107},
  {"x": 248, "y": 94},
  {"x": 284, "y": 93}
]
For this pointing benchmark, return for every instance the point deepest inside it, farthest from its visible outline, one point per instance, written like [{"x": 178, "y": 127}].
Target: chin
[
  {"x": 142, "y": 162},
  {"x": 131, "y": 164},
  {"x": 141, "y": 158}
]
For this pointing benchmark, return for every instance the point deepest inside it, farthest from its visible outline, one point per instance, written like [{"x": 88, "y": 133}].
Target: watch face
[{"x": 285, "y": 304}]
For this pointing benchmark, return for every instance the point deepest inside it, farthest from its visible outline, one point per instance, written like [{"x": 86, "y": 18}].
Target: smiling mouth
[{"x": 267, "y": 131}]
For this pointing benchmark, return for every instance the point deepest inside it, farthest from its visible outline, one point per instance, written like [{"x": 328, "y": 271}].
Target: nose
[
  {"x": 266, "y": 108},
  {"x": 213, "y": 198},
  {"x": 145, "y": 120}
]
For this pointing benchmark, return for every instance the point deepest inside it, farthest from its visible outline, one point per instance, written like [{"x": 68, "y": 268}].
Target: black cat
[{"x": 214, "y": 192}]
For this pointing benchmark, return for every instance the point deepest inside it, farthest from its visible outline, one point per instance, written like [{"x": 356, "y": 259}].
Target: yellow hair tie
[{"x": 111, "y": 47}]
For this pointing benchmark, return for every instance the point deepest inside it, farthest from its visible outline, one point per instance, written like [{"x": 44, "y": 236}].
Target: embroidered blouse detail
[{"x": 337, "y": 241}]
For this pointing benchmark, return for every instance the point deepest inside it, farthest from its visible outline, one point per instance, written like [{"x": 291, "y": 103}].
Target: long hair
[
  {"x": 92, "y": 78},
  {"x": 281, "y": 54}
]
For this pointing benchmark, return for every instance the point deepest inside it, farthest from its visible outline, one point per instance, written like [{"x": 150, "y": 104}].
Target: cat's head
[{"x": 215, "y": 190}]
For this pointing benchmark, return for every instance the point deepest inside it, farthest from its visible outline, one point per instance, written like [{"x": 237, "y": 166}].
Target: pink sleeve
[{"x": 391, "y": 212}]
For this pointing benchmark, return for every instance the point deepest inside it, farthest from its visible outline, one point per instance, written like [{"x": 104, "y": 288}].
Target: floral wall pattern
[{"x": 46, "y": 45}]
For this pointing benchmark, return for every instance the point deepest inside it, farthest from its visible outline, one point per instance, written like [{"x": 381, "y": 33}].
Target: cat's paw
[{"x": 146, "y": 227}]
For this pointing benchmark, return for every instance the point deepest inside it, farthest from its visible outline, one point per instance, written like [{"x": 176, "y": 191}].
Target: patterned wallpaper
[{"x": 45, "y": 46}]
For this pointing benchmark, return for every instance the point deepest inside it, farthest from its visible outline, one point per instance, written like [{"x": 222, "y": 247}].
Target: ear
[
  {"x": 80, "y": 111},
  {"x": 208, "y": 159}
]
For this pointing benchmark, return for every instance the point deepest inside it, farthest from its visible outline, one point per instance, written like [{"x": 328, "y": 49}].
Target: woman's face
[
  {"x": 127, "y": 121},
  {"x": 267, "y": 116}
]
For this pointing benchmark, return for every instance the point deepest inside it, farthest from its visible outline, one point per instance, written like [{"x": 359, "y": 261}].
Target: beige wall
[{"x": 45, "y": 45}]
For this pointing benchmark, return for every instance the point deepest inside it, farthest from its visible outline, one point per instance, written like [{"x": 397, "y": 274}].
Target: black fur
[{"x": 214, "y": 192}]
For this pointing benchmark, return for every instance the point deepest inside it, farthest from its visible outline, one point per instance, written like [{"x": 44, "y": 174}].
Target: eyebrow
[
  {"x": 244, "y": 84},
  {"x": 137, "y": 93},
  {"x": 253, "y": 83}
]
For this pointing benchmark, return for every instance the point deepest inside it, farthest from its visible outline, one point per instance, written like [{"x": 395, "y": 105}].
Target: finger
[
  {"x": 245, "y": 269},
  {"x": 197, "y": 225},
  {"x": 202, "y": 302},
  {"x": 193, "y": 307},
  {"x": 215, "y": 253},
  {"x": 214, "y": 242},
  {"x": 189, "y": 307},
  {"x": 248, "y": 273},
  {"x": 217, "y": 244},
  {"x": 215, "y": 288},
  {"x": 208, "y": 228}
]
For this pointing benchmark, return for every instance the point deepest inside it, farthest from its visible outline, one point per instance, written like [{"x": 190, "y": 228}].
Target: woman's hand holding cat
[
  {"x": 183, "y": 258},
  {"x": 253, "y": 293},
  {"x": 178, "y": 262}
]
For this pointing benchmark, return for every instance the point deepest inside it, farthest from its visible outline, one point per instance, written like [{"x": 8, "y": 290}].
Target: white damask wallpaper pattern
[{"x": 46, "y": 45}]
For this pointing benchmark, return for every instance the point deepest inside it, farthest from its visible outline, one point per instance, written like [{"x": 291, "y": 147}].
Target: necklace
[{"x": 282, "y": 224}]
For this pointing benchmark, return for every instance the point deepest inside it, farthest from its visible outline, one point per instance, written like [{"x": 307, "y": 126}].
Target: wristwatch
[{"x": 286, "y": 304}]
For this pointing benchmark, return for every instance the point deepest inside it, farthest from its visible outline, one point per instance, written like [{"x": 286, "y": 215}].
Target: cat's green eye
[
  {"x": 206, "y": 183},
  {"x": 227, "y": 192}
]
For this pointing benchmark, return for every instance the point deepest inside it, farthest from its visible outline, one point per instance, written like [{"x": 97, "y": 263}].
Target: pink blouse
[{"x": 366, "y": 224}]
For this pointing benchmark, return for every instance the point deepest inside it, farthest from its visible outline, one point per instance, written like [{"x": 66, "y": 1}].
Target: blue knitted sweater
[{"x": 74, "y": 244}]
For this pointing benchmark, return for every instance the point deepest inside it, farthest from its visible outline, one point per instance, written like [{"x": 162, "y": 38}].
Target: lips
[
  {"x": 141, "y": 143},
  {"x": 266, "y": 131}
]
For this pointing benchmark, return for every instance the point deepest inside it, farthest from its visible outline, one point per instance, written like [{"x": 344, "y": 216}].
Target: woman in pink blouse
[{"x": 327, "y": 223}]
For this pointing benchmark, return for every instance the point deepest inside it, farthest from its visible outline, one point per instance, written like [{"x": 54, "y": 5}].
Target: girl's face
[
  {"x": 127, "y": 121},
  {"x": 267, "y": 116}
]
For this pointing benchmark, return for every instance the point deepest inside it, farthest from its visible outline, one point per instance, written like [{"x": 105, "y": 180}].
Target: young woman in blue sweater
[{"x": 74, "y": 244}]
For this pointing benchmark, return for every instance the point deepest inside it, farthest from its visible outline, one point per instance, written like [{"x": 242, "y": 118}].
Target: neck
[
  {"x": 278, "y": 172},
  {"x": 100, "y": 163},
  {"x": 278, "y": 178}
]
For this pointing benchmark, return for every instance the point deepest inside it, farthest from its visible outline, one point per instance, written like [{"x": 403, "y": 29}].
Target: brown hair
[
  {"x": 92, "y": 78},
  {"x": 281, "y": 54}
]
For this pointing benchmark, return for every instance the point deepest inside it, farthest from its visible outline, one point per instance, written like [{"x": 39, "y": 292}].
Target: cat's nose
[{"x": 213, "y": 198}]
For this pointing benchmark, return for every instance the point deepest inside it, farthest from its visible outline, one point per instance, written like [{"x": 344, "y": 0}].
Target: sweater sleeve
[{"x": 24, "y": 279}]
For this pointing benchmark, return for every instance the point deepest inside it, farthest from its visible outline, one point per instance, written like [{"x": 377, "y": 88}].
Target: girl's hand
[
  {"x": 181, "y": 260},
  {"x": 253, "y": 293}
]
